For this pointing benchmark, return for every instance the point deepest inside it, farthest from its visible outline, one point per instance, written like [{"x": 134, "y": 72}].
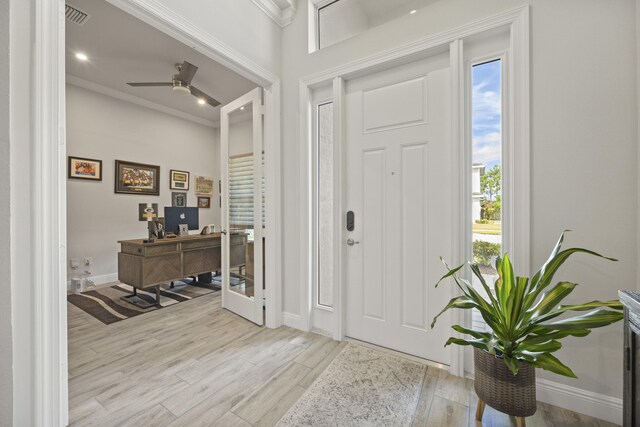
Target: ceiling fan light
[
  {"x": 201, "y": 101},
  {"x": 181, "y": 89}
]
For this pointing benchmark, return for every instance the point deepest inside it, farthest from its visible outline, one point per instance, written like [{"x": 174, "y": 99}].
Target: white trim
[
  {"x": 293, "y": 321},
  {"x": 306, "y": 192},
  {"x": 273, "y": 231},
  {"x": 418, "y": 49},
  {"x": 181, "y": 29},
  {"x": 48, "y": 207},
  {"x": 123, "y": 96},
  {"x": 459, "y": 154},
  {"x": 105, "y": 279},
  {"x": 279, "y": 15},
  {"x": 519, "y": 136},
  {"x": 518, "y": 21},
  {"x": 578, "y": 400},
  {"x": 339, "y": 202},
  {"x": 585, "y": 402}
]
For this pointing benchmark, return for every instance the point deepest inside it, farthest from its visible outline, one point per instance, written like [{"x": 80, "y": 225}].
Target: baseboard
[
  {"x": 577, "y": 400},
  {"x": 582, "y": 401},
  {"x": 98, "y": 280},
  {"x": 293, "y": 320}
]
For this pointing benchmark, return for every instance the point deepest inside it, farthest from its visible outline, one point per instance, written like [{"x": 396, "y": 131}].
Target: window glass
[
  {"x": 486, "y": 175},
  {"x": 325, "y": 228},
  {"x": 342, "y": 19}
]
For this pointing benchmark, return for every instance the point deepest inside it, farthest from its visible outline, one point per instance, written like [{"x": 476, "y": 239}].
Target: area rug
[
  {"x": 361, "y": 387},
  {"x": 107, "y": 305}
]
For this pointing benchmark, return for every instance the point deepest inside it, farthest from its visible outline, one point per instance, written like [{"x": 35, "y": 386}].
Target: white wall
[
  {"x": 21, "y": 30},
  {"x": 6, "y": 374},
  {"x": 237, "y": 23},
  {"x": 584, "y": 146},
  {"x": 105, "y": 128}
]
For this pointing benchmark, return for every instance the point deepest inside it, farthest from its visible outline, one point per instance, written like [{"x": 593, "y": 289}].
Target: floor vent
[{"x": 75, "y": 15}]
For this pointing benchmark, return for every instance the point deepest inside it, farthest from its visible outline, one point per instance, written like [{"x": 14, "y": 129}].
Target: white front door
[
  {"x": 399, "y": 188},
  {"x": 242, "y": 206}
]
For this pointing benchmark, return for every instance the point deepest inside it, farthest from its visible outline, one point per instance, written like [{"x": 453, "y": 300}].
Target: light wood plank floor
[{"x": 195, "y": 364}]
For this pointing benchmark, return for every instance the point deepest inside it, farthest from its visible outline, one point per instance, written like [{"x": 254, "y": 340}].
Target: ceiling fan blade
[
  {"x": 150, "y": 84},
  {"x": 200, "y": 94},
  {"x": 187, "y": 71}
]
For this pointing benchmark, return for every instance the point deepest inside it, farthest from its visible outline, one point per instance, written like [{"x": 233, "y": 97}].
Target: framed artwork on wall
[
  {"x": 204, "y": 202},
  {"x": 147, "y": 211},
  {"x": 178, "y": 180},
  {"x": 204, "y": 185},
  {"x": 137, "y": 178},
  {"x": 81, "y": 168},
  {"x": 178, "y": 199}
]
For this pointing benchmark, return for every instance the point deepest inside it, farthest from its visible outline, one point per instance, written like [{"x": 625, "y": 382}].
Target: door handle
[
  {"x": 352, "y": 242},
  {"x": 223, "y": 232}
]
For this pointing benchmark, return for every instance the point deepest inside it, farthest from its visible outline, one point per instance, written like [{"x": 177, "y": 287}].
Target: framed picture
[
  {"x": 178, "y": 200},
  {"x": 147, "y": 211},
  {"x": 81, "y": 168},
  {"x": 204, "y": 202},
  {"x": 137, "y": 178},
  {"x": 204, "y": 185},
  {"x": 179, "y": 180}
]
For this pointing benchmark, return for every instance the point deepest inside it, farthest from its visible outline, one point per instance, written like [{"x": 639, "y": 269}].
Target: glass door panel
[{"x": 242, "y": 206}]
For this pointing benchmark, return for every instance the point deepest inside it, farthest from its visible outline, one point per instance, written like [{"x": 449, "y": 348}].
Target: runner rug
[
  {"x": 361, "y": 387},
  {"x": 107, "y": 305}
]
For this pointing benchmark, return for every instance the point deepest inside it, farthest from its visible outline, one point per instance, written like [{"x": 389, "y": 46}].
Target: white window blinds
[{"x": 241, "y": 191}]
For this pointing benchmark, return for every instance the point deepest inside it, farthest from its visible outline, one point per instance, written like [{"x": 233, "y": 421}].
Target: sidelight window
[{"x": 486, "y": 171}]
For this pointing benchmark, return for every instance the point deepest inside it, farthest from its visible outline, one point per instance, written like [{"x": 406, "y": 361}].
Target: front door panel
[{"x": 398, "y": 157}]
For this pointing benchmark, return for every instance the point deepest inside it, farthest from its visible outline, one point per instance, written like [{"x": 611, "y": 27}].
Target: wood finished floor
[{"x": 194, "y": 364}]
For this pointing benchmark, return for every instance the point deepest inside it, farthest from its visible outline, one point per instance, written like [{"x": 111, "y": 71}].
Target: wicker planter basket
[{"x": 496, "y": 386}]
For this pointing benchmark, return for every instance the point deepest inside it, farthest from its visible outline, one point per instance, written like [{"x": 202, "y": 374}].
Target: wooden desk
[{"x": 147, "y": 265}]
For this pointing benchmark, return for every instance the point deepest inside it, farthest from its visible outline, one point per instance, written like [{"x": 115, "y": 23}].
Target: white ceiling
[{"x": 123, "y": 49}]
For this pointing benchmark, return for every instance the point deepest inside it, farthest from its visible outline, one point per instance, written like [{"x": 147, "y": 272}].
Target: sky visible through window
[{"x": 486, "y": 117}]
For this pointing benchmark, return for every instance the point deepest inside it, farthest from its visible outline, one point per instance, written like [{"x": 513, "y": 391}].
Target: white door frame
[
  {"x": 517, "y": 22},
  {"x": 48, "y": 201}
]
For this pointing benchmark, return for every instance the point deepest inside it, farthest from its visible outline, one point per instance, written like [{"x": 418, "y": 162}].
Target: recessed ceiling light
[
  {"x": 242, "y": 108},
  {"x": 81, "y": 56},
  {"x": 412, "y": 12},
  {"x": 201, "y": 101}
]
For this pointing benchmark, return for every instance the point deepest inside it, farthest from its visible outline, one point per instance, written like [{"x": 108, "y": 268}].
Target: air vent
[{"x": 75, "y": 15}]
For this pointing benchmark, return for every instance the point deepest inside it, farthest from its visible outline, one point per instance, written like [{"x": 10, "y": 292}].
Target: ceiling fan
[{"x": 181, "y": 82}]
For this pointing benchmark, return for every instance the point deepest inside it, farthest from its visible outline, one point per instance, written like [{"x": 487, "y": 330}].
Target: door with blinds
[{"x": 242, "y": 190}]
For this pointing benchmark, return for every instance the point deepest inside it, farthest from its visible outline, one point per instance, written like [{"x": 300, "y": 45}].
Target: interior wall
[
  {"x": 105, "y": 128},
  {"x": 638, "y": 122},
  {"x": 6, "y": 374},
  {"x": 583, "y": 146},
  {"x": 239, "y": 24},
  {"x": 21, "y": 391}
]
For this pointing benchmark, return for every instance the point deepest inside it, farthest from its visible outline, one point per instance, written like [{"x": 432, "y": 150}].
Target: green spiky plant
[{"x": 522, "y": 313}]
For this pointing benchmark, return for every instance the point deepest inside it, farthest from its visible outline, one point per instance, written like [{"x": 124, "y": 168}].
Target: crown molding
[
  {"x": 280, "y": 15},
  {"x": 123, "y": 96}
]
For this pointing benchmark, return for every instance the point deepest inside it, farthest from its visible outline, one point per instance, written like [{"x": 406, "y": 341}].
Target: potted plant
[{"x": 524, "y": 317}]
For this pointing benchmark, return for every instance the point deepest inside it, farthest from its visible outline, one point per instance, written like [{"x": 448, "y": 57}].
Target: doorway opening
[{"x": 175, "y": 143}]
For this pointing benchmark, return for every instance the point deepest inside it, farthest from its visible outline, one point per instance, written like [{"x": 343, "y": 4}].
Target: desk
[{"x": 147, "y": 265}]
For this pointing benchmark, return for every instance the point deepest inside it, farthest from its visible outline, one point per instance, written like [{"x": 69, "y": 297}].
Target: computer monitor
[{"x": 175, "y": 216}]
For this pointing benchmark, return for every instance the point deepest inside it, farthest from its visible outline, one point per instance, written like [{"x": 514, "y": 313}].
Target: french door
[
  {"x": 398, "y": 186},
  {"x": 242, "y": 186}
]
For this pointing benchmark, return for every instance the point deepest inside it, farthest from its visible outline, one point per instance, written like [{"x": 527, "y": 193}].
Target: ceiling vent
[{"x": 75, "y": 15}]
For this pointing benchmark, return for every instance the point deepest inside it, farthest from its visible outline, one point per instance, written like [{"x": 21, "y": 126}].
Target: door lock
[{"x": 352, "y": 242}]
